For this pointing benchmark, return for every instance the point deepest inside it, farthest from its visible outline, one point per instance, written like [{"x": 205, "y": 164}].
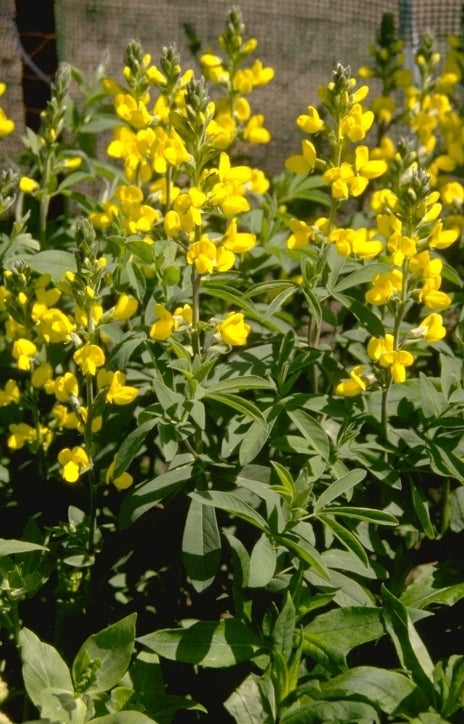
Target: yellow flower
[
  {"x": 310, "y": 122},
  {"x": 119, "y": 393},
  {"x": 401, "y": 247},
  {"x": 53, "y": 325},
  {"x": 23, "y": 351},
  {"x": 254, "y": 131},
  {"x": 385, "y": 287},
  {"x": 72, "y": 162},
  {"x": 381, "y": 350},
  {"x": 352, "y": 386},
  {"x": 185, "y": 312},
  {"x": 7, "y": 126},
  {"x": 203, "y": 254},
  {"x": 27, "y": 185},
  {"x": 64, "y": 387},
  {"x": 73, "y": 462},
  {"x": 122, "y": 482},
  {"x": 9, "y": 394},
  {"x": 358, "y": 242},
  {"x": 126, "y": 307},
  {"x": 238, "y": 242},
  {"x": 133, "y": 112},
  {"x": 20, "y": 435},
  {"x": 442, "y": 238},
  {"x": 64, "y": 418},
  {"x": 356, "y": 123},
  {"x": 41, "y": 375},
  {"x": 164, "y": 325},
  {"x": 303, "y": 234},
  {"x": 431, "y": 328},
  {"x": 89, "y": 357},
  {"x": 304, "y": 162},
  {"x": 234, "y": 330}
]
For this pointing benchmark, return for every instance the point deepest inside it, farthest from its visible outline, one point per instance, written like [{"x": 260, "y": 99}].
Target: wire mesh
[{"x": 302, "y": 39}]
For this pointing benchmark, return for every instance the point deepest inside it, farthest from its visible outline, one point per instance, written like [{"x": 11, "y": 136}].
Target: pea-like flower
[
  {"x": 9, "y": 394},
  {"x": 121, "y": 482},
  {"x": 382, "y": 350},
  {"x": 234, "y": 330},
  {"x": 118, "y": 392},
  {"x": 164, "y": 325},
  {"x": 24, "y": 351},
  {"x": 74, "y": 462},
  {"x": 431, "y": 328},
  {"x": 352, "y": 386},
  {"x": 89, "y": 357}
]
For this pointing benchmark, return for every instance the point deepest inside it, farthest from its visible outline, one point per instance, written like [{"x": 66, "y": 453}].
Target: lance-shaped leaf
[
  {"x": 10, "y": 546},
  {"x": 104, "y": 657},
  {"x": 233, "y": 505},
  {"x": 201, "y": 545},
  {"x": 384, "y": 689},
  {"x": 339, "y": 487},
  {"x": 409, "y": 646},
  {"x": 213, "y": 644},
  {"x": 45, "y": 671}
]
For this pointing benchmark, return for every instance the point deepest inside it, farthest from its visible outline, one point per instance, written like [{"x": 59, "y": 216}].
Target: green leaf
[
  {"x": 131, "y": 445},
  {"x": 450, "y": 375},
  {"x": 346, "y": 537},
  {"x": 123, "y": 717},
  {"x": 55, "y": 262},
  {"x": 147, "y": 681},
  {"x": 245, "y": 704},
  {"x": 104, "y": 657},
  {"x": 214, "y": 644},
  {"x": 263, "y": 561},
  {"x": 332, "y": 712},
  {"x": 284, "y": 628},
  {"x": 233, "y": 505},
  {"x": 455, "y": 678},
  {"x": 431, "y": 400},
  {"x": 304, "y": 550},
  {"x": 145, "y": 496},
  {"x": 370, "y": 515},
  {"x": 444, "y": 462},
  {"x": 314, "y": 305},
  {"x": 368, "y": 319},
  {"x": 311, "y": 430},
  {"x": 10, "y": 546},
  {"x": 253, "y": 442},
  {"x": 244, "y": 407},
  {"x": 343, "y": 629},
  {"x": 361, "y": 276},
  {"x": 409, "y": 647},
  {"x": 421, "y": 506},
  {"x": 201, "y": 545},
  {"x": 384, "y": 689},
  {"x": 244, "y": 382},
  {"x": 339, "y": 487},
  {"x": 43, "y": 669},
  {"x": 434, "y": 583},
  {"x": 136, "y": 280},
  {"x": 123, "y": 351}
]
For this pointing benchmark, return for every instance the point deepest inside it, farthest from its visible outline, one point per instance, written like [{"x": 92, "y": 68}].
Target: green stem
[
  {"x": 88, "y": 440},
  {"x": 44, "y": 206},
  {"x": 384, "y": 412},
  {"x": 446, "y": 506}
]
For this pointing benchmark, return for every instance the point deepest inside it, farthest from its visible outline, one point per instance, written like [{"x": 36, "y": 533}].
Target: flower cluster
[
  {"x": 404, "y": 227},
  {"x": 7, "y": 126}
]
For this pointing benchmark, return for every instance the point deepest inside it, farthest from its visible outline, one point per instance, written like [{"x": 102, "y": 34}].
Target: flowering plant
[{"x": 232, "y": 404}]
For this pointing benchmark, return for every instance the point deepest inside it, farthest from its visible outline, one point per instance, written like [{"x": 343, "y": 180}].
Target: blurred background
[{"x": 302, "y": 39}]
